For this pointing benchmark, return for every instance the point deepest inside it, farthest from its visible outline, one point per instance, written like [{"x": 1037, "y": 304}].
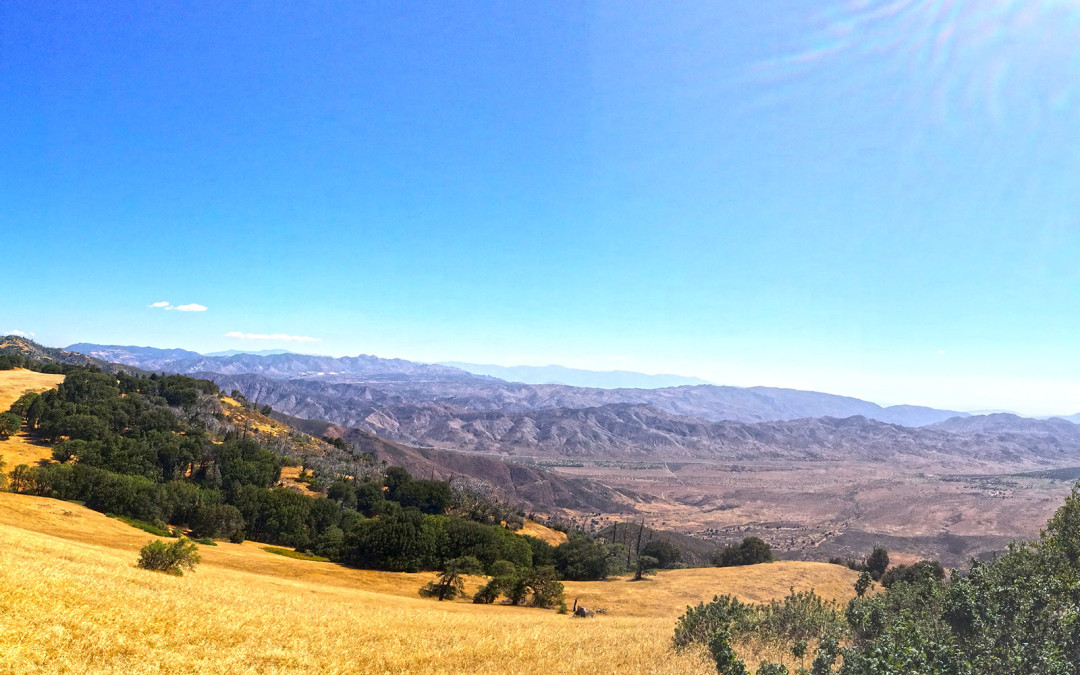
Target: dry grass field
[
  {"x": 14, "y": 383},
  {"x": 71, "y": 601},
  {"x": 20, "y": 449}
]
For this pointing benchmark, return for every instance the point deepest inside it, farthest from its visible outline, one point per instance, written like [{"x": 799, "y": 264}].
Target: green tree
[
  {"x": 503, "y": 577},
  {"x": 10, "y": 423},
  {"x": 863, "y": 583},
  {"x": 751, "y": 551},
  {"x": 666, "y": 553},
  {"x": 451, "y": 581},
  {"x": 645, "y": 566},
  {"x": 877, "y": 562},
  {"x": 218, "y": 521}
]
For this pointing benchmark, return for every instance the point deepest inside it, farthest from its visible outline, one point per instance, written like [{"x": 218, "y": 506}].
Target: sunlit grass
[{"x": 72, "y": 601}]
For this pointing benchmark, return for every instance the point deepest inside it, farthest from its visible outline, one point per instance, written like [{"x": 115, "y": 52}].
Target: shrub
[
  {"x": 171, "y": 558},
  {"x": 698, "y": 624},
  {"x": 727, "y": 661},
  {"x": 158, "y": 529}
]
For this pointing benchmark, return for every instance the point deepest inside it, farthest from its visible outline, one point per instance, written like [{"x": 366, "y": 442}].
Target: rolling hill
[{"x": 76, "y": 603}]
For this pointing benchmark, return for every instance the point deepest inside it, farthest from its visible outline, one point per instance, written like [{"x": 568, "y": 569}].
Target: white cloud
[
  {"x": 20, "y": 333},
  {"x": 280, "y": 337},
  {"x": 193, "y": 307}
]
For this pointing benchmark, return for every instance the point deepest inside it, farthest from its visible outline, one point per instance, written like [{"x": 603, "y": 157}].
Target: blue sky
[{"x": 868, "y": 198}]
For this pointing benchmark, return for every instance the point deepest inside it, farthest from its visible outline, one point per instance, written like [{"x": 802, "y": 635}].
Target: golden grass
[
  {"x": 71, "y": 601},
  {"x": 20, "y": 448},
  {"x": 542, "y": 532},
  {"x": 14, "y": 383}
]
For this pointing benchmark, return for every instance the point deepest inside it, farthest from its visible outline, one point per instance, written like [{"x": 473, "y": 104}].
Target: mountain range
[
  {"x": 608, "y": 379},
  {"x": 411, "y": 383}
]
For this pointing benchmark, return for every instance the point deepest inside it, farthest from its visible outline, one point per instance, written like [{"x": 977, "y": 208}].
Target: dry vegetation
[
  {"x": 542, "y": 532},
  {"x": 20, "y": 448},
  {"x": 71, "y": 601},
  {"x": 14, "y": 383}
]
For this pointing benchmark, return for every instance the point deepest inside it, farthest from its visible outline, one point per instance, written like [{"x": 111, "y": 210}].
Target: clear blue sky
[{"x": 879, "y": 199}]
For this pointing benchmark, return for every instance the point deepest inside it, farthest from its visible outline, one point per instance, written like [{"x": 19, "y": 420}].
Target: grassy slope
[
  {"x": 20, "y": 448},
  {"x": 72, "y": 601}
]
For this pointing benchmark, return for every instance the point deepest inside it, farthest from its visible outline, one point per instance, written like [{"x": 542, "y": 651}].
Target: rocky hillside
[{"x": 645, "y": 432}]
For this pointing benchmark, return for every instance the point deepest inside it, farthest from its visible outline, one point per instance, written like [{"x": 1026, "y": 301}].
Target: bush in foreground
[{"x": 172, "y": 558}]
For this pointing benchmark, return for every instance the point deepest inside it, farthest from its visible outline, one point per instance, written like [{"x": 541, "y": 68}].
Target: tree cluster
[{"x": 751, "y": 551}]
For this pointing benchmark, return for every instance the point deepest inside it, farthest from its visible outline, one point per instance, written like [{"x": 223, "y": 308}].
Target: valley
[{"x": 813, "y": 474}]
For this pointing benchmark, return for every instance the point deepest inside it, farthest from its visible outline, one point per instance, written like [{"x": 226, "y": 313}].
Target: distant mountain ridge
[
  {"x": 554, "y": 374},
  {"x": 642, "y": 432},
  {"x": 147, "y": 358},
  {"x": 406, "y": 382}
]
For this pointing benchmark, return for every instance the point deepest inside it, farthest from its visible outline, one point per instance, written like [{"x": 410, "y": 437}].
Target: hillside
[
  {"x": 642, "y": 432},
  {"x": 535, "y": 489},
  {"x": 27, "y": 348},
  {"x": 76, "y": 603}
]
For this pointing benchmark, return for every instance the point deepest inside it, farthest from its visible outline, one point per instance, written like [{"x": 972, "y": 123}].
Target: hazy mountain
[
  {"x": 639, "y": 431},
  {"x": 362, "y": 368},
  {"x": 1075, "y": 419},
  {"x": 1008, "y": 423},
  {"x": 611, "y": 379},
  {"x": 371, "y": 378},
  {"x": 256, "y": 352},
  {"x": 147, "y": 358}
]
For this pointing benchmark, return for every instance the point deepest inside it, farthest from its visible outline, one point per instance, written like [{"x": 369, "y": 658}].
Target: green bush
[
  {"x": 158, "y": 530},
  {"x": 170, "y": 558},
  {"x": 698, "y": 624}
]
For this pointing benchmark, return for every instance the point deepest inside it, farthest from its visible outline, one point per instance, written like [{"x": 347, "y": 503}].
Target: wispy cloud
[
  {"x": 279, "y": 337},
  {"x": 20, "y": 333},
  {"x": 193, "y": 307}
]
